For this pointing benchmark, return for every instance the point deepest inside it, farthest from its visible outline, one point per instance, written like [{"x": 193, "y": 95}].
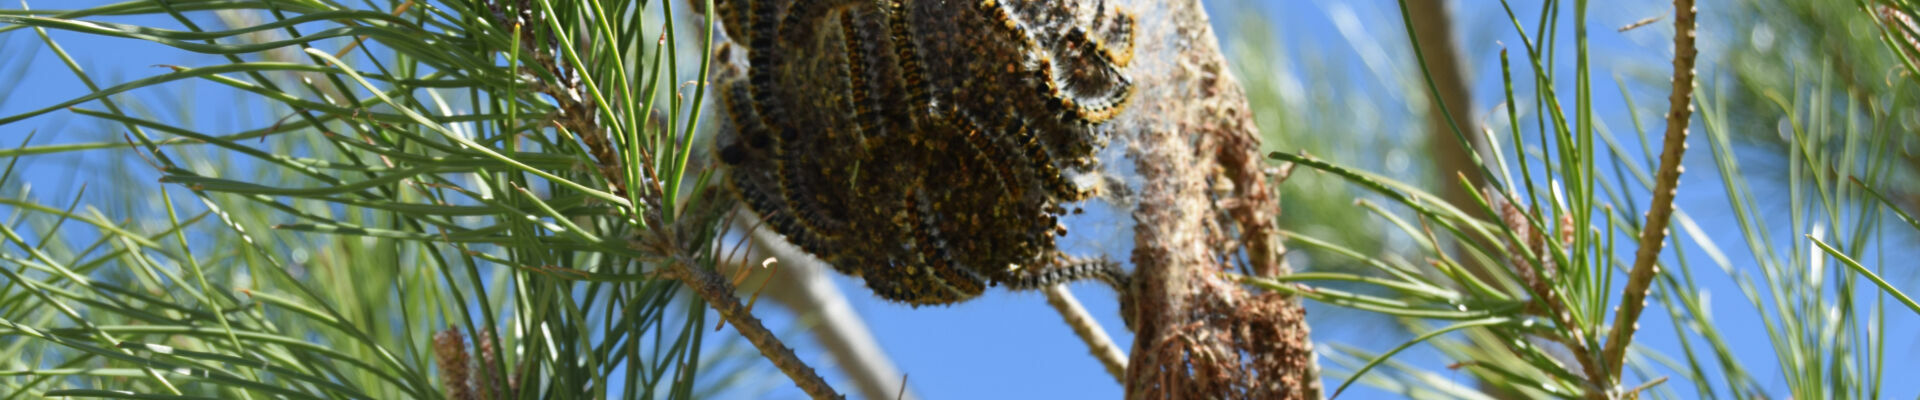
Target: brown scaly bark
[{"x": 1191, "y": 138}]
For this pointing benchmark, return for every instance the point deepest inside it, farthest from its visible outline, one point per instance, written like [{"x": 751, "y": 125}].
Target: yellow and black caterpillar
[{"x": 923, "y": 145}]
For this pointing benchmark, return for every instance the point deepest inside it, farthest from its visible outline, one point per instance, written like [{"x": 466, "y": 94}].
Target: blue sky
[{"x": 1011, "y": 345}]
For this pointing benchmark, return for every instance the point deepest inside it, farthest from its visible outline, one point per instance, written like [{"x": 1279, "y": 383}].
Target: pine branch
[
  {"x": 1089, "y": 331},
  {"x": 1196, "y": 334},
  {"x": 1653, "y": 234},
  {"x": 719, "y": 294}
]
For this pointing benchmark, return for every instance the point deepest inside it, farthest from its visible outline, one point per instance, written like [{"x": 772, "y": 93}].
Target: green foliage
[
  {"x": 422, "y": 184},
  {"x": 1570, "y": 214},
  {"x": 429, "y": 177}
]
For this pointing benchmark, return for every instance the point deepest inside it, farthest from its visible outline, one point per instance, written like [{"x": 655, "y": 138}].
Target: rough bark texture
[{"x": 1204, "y": 199}]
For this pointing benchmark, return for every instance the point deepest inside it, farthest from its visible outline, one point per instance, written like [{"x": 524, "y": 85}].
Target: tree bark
[{"x": 1204, "y": 202}]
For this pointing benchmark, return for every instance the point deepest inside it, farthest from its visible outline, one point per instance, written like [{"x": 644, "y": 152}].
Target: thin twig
[
  {"x": 1089, "y": 331},
  {"x": 839, "y": 329},
  {"x": 1644, "y": 386},
  {"x": 718, "y": 294},
  {"x": 1637, "y": 24},
  {"x": 1653, "y": 234}
]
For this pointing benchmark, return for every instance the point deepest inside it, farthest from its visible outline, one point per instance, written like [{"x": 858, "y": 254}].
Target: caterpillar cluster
[{"x": 923, "y": 145}]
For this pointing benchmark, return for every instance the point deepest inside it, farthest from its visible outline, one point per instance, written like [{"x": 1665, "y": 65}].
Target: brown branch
[
  {"x": 1197, "y": 335},
  {"x": 577, "y": 112},
  {"x": 1653, "y": 234},
  {"x": 1089, "y": 331},
  {"x": 1452, "y": 101},
  {"x": 1528, "y": 241},
  {"x": 718, "y": 294},
  {"x": 840, "y": 330}
]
